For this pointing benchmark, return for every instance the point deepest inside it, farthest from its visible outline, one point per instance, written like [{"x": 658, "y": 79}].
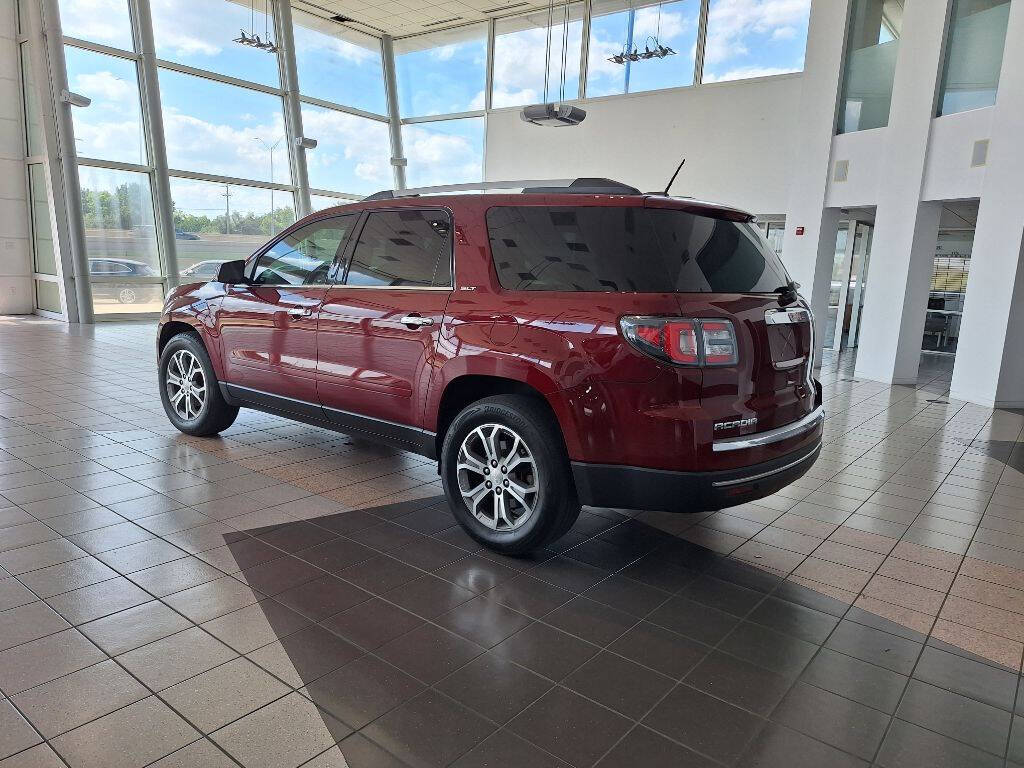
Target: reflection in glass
[
  {"x": 111, "y": 127},
  {"x": 442, "y": 72},
  {"x": 618, "y": 24},
  {"x": 98, "y": 21},
  {"x": 48, "y": 296},
  {"x": 755, "y": 38},
  {"x": 223, "y": 222},
  {"x": 521, "y": 57},
  {"x": 444, "y": 152},
  {"x": 870, "y": 64},
  {"x": 44, "y": 255},
  {"x": 974, "y": 55},
  {"x": 224, "y": 129},
  {"x": 353, "y": 154},
  {"x": 338, "y": 64},
  {"x": 200, "y": 33},
  {"x": 120, "y": 240},
  {"x": 33, "y": 120}
]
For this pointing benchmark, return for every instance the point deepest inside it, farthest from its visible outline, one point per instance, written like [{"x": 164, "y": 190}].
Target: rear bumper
[{"x": 625, "y": 487}]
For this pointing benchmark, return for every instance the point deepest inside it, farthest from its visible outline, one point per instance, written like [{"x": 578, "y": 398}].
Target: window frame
[
  {"x": 350, "y": 250},
  {"x": 332, "y": 273}
]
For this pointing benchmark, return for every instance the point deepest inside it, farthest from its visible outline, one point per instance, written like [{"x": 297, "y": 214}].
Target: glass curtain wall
[
  {"x": 874, "y": 41},
  {"x": 114, "y": 167},
  {"x": 621, "y": 26},
  {"x": 529, "y": 53},
  {"x": 442, "y": 81},
  {"x": 974, "y": 55}
]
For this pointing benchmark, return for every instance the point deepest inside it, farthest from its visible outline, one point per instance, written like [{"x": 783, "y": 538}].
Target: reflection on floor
[{"x": 286, "y": 596}]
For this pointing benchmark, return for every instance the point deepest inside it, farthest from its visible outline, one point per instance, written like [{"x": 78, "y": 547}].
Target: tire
[
  {"x": 552, "y": 506},
  {"x": 190, "y": 413}
]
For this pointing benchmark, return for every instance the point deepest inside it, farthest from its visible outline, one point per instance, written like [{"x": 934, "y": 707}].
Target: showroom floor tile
[{"x": 285, "y": 596}]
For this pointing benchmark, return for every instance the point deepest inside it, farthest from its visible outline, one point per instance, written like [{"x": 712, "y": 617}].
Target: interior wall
[
  {"x": 736, "y": 138},
  {"x": 15, "y": 254}
]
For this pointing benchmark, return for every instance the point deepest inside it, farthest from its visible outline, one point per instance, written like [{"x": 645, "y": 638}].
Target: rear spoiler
[{"x": 698, "y": 208}]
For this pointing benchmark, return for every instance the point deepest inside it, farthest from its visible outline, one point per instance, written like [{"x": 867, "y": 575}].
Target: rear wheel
[
  {"x": 189, "y": 390},
  {"x": 507, "y": 476}
]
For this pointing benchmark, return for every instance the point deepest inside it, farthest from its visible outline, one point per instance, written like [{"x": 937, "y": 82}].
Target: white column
[
  {"x": 989, "y": 365},
  {"x": 809, "y": 256},
  {"x": 905, "y": 229}
]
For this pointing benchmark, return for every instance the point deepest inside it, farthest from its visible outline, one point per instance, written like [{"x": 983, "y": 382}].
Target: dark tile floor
[{"x": 286, "y": 596}]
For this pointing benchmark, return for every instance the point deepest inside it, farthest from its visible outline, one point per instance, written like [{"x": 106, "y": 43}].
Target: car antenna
[{"x": 672, "y": 180}]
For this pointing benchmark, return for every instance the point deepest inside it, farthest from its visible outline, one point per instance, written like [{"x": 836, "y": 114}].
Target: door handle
[
  {"x": 415, "y": 321},
  {"x": 300, "y": 311}
]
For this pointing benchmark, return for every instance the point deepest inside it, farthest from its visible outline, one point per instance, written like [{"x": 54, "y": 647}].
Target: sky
[{"x": 227, "y": 130}]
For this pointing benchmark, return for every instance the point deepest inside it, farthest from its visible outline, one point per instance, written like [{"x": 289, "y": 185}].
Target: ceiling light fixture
[
  {"x": 630, "y": 53},
  {"x": 250, "y": 38}
]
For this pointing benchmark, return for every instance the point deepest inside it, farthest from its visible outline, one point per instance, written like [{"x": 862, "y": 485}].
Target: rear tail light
[{"x": 683, "y": 340}]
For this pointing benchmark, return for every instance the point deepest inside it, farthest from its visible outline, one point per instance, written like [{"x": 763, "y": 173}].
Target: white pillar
[
  {"x": 903, "y": 245},
  {"x": 989, "y": 365},
  {"x": 809, "y": 256}
]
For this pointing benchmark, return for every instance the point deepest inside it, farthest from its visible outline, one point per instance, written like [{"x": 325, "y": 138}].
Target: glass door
[
  {"x": 849, "y": 278},
  {"x": 836, "y": 291},
  {"x": 948, "y": 290},
  {"x": 857, "y": 285}
]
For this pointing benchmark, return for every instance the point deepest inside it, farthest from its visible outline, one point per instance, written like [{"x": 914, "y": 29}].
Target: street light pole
[{"x": 270, "y": 148}]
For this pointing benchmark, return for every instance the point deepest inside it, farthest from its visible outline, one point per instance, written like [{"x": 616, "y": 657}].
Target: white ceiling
[{"x": 410, "y": 17}]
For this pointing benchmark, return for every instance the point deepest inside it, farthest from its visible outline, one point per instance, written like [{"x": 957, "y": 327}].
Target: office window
[
  {"x": 442, "y": 72},
  {"x": 224, "y": 222},
  {"x": 522, "y": 55},
  {"x": 974, "y": 55},
  {"x": 353, "y": 153},
  {"x": 403, "y": 249},
  {"x": 305, "y": 256},
  {"x": 339, "y": 64},
  {"x": 224, "y": 129},
  {"x": 444, "y": 152},
  {"x": 111, "y": 127},
  {"x": 201, "y": 34},
  {"x": 620, "y": 25},
  {"x": 98, "y": 21},
  {"x": 874, "y": 40},
  {"x": 755, "y": 38}
]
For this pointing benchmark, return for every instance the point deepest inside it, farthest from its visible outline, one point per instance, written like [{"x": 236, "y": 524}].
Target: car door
[
  {"x": 268, "y": 325},
  {"x": 378, "y": 327}
]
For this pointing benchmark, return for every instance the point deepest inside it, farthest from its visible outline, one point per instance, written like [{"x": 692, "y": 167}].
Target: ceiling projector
[{"x": 553, "y": 115}]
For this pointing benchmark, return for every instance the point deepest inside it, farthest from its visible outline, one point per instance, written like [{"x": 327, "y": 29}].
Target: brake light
[{"x": 683, "y": 341}]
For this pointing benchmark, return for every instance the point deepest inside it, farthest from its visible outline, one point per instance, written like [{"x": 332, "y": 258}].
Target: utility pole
[{"x": 227, "y": 209}]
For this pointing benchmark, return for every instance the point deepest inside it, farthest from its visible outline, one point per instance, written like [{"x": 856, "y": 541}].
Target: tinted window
[
  {"x": 102, "y": 267},
  {"x": 305, "y": 256},
  {"x": 403, "y": 248},
  {"x": 622, "y": 249}
]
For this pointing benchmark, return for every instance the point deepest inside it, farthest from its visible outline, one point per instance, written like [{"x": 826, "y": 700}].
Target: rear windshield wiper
[{"x": 788, "y": 293}]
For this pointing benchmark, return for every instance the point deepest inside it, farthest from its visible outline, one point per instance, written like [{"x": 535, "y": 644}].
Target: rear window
[{"x": 628, "y": 249}]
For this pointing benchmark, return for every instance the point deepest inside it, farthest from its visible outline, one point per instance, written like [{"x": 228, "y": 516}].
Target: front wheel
[
  {"x": 189, "y": 389},
  {"x": 506, "y": 475}
]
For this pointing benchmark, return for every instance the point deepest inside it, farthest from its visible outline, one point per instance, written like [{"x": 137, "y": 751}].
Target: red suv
[{"x": 558, "y": 346}]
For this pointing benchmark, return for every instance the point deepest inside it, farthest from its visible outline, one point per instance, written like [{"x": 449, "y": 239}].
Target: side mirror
[{"x": 231, "y": 272}]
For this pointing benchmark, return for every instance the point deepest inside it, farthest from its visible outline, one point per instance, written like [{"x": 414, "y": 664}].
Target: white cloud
[
  {"x": 444, "y": 52},
  {"x": 742, "y": 73},
  {"x": 351, "y": 150},
  {"x": 107, "y": 87},
  {"x": 784, "y": 33},
  {"x": 732, "y": 22},
  {"x": 103, "y": 21},
  {"x": 439, "y": 158}
]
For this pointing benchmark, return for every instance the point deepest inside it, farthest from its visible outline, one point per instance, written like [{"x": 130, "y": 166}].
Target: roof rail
[{"x": 582, "y": 186}]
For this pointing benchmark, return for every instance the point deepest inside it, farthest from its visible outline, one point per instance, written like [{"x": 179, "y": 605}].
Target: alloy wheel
[
  {"x": 186, "y": 384},
  {"x": 497, "y": 476}
]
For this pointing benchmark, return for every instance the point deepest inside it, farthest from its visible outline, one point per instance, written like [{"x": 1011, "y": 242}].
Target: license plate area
[{"x": 789, "y": 337}]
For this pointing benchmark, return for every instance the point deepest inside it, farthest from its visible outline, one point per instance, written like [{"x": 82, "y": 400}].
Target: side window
[
  {"x": 403, "y": 248},
  {"x": 305, "y": 256}
]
